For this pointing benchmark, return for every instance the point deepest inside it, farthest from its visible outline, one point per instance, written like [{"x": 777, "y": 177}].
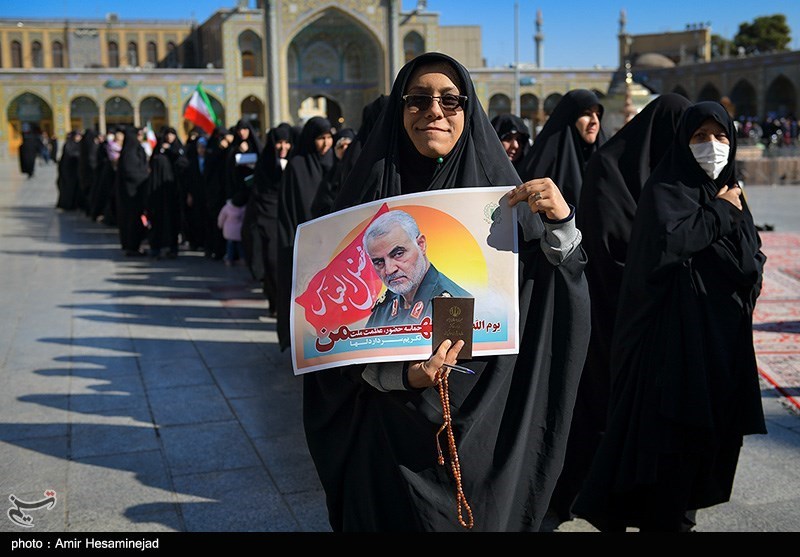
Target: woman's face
[
  {"x": 323, "y": 143},
  {"x": 282, "y": 148},
  {"x": 244, "y": 133},
  {"x": 710, "y": 130},
  {"x": 512, "y": 143},
  {"x": 588, "y": 124},
  {"x": 435, "y": 130}
]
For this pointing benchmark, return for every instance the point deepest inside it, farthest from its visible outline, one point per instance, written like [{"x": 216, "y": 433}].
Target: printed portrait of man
[{"x": 397, "y": 249}]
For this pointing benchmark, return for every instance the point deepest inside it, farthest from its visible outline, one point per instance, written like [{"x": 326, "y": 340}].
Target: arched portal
[
  {"x": 743, "y": 97},
  {"x": 84, "y": 114},
  {"x": 499, "y": 104},
  {"x": 250, "y": 53},
  {"x": 529, "y": 111},
  {"x": 152, "y": 110},
  {"x": 550, "y": 102},
  {"x": 119, "y": 112},
  {"x": 709, "y": 93},
  {"x": 413, "y": 45},
  {"x": 321, "y": 106},
  {"x": 781, "y": 98},
  {"x": 253, "y": 112},
  {"x": 337, "y": 60},
  {"x": 30, "y": 109}
]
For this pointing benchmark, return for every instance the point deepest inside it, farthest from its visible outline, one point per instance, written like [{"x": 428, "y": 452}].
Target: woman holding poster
[{"x": 372, "y": 429}]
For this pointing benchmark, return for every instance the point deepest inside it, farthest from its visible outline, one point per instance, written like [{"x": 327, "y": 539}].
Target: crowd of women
[{"x": 639, "y": 269}]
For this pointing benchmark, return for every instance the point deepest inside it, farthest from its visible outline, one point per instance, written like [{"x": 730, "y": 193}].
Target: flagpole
[{"x": 516, "y": 59}]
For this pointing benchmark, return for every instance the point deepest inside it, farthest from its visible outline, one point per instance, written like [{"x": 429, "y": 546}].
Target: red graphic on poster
[{"x": 345, "y": 290}]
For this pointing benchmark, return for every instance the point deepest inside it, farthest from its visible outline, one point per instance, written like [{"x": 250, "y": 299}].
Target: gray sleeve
[
  {"x": 560, "y": 240},
  {"x": 386, "y": 376}
]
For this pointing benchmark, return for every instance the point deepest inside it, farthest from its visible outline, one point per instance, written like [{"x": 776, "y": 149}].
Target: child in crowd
[{"x": 230, "y": 222}]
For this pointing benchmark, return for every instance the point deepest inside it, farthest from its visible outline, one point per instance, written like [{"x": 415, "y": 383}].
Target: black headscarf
[
  {"x": 132, "y": 166},
  {"x": 559, "y": 152},
  {"x": 504, "y": 124},
  {"x": 375, "y": 451},
  {"x": 268, "y": 169},
  {"x": 235, "y": 175},
  {"x": 613, "y": 180},
  {"x": 301, "y": 180},
  {"x": 684, "y": 374}
]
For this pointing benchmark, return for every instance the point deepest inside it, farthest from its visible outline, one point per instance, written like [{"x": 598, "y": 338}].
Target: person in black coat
[
  {"x": 29, "y": 149},
  {"x": 88, "y": 169},
  {"x": 260, "y": 226},
  {"x": 515, "y": 137},
  {"x": 219, "y": 143},
  {"x": 67, "y": 180},
  {"x": 684, "y": 378},
  {"x": 569, "y": 137},
  {"x": 612, "y": 184},
  {"x": 371, "y": 429},
  {"x": 132, "y": 181},
  {"x": 168, "y": 165},
  {"x": 300, "y": 182}
]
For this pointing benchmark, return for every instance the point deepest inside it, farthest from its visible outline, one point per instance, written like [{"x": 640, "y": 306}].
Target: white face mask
[{"x": 712, "y": 156}]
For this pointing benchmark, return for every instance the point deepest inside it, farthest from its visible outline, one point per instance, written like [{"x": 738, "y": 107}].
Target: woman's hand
[
  {"x": 423, "y": 374},
  {"x": 542, "y": 196},
  {"x": 731, "y": 195}
]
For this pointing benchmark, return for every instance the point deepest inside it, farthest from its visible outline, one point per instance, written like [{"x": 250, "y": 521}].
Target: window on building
[
  {"x": 57, "y": 54},
  {"x": 172, "y": 55},
  {"x": 113, "y": 55},
  {"x": 133, "y": 54},
  {"x": 37, "y": 59},
  {"x": 152, "y": 53},
  {"x": 16, "y": 54},
  {"x": 248, "y": 64}
]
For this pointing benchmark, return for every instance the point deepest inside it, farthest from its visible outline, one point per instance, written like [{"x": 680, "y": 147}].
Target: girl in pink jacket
[{"x": 230, "y": 221}]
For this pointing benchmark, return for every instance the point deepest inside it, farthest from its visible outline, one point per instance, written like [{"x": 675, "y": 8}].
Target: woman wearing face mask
[{"x": 684, "y": 379}]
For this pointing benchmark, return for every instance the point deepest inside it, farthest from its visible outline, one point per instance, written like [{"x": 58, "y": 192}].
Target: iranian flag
[
  {"x": 199, "y": 110},
  {"x": 151, "y": 135}
]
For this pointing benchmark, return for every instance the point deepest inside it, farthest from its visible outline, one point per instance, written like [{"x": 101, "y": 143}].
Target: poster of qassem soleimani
[{"x": 364, "y": 277}]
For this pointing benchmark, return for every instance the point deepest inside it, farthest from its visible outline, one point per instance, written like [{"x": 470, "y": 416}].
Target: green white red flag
[{"x": 199, "y": 110}]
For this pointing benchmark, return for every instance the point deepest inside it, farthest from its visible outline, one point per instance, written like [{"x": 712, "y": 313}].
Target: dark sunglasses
[{"x": 415, "y": 103}]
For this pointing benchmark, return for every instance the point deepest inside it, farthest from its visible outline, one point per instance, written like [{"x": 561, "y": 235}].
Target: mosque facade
[{"x": 285, "y": 61}]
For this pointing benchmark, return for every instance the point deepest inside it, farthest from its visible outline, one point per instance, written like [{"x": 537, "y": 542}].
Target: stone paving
[{"x": 151, "y": 395}]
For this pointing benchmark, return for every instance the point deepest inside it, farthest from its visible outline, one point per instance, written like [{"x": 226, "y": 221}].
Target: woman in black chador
[
  {"x": 67, "y": 180},
  {"x": 568, "y": 139},
  {"x": 245, "y": 141},
  {"x": 88, "y": 168},
  {"x": 612, "y": 184},
  {"x": 684, "y": 381},
  {"x": 514, "y": 136},
  {"x": 310, "y": 167},
  {"x": 132, "y": 177},
  {"x": 260, "y": 226},
  {"x": 29, "y": 149},
  {"x": 219, "y": 143},
  {"x": 371, "y": 429},
  {"x": 167, "y": 168}
]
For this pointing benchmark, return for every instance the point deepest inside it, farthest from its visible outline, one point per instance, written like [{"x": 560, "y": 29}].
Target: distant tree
[
  {"x": 720, "y": 46},
  {"x": 765, "y": 34}
]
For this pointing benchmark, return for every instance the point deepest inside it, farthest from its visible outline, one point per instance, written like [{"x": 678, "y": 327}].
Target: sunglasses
[{"x": 415, "y": 103}]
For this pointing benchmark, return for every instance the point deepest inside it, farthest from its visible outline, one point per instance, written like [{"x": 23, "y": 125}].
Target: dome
[{"x": 653, "y": 60}]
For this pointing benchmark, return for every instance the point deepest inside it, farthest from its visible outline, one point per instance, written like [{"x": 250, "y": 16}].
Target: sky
[{"x": 577, "y": 33}]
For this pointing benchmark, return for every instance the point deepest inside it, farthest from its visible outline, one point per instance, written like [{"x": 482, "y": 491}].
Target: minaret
[
  {"x": 539, "y": 38},
  {"x": 624, "y": 39}
]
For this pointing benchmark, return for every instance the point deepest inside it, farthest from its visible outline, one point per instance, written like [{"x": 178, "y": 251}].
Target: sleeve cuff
[
  {"x": 561, "y": 238},
  {"x": 387, "y": 376}
]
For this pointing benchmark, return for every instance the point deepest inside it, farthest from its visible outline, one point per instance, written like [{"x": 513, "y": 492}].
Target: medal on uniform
[
  {"x": 416, "y": 311},
  {"x": 394, "y": 307}
]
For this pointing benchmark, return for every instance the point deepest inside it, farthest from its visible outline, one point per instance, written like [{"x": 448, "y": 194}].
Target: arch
[
  {"x": 743, "y": 97},
  {"x": 37, "y": 55},
  {"x": 27, "y": 108},
  {"x": 321, "y": 105},
  {"x": 250, "y": 52},
  {"x": 550, "y": 102},
  {"x": 678, "y": 90},
  {"x": 113, "y": 54},
  {"x": 709, "y": 93},
  {"x": 152, "y": 53},
  {"x": 133, "y": 54},
  {"x": 781, "y": 98},
  {"x": 84, "y": 113},
  {"x": 413, "y": 45},
  {"x": 253, "y": 111},
  {"x": 16, "y": 54},
  {"x": 334, "y": 59},
  {"x": 499, "y": 104},
  {"x": 119, "y": 112},
  {"x": 529, "y": 111},
  {"x": 57, "y": 54},
  {"x": 153, "y": 110},
  {"x": 219, "y": 111}
]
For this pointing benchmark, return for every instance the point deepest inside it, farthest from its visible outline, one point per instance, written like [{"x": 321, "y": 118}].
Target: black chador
[{"x": 132, "y": 177}]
